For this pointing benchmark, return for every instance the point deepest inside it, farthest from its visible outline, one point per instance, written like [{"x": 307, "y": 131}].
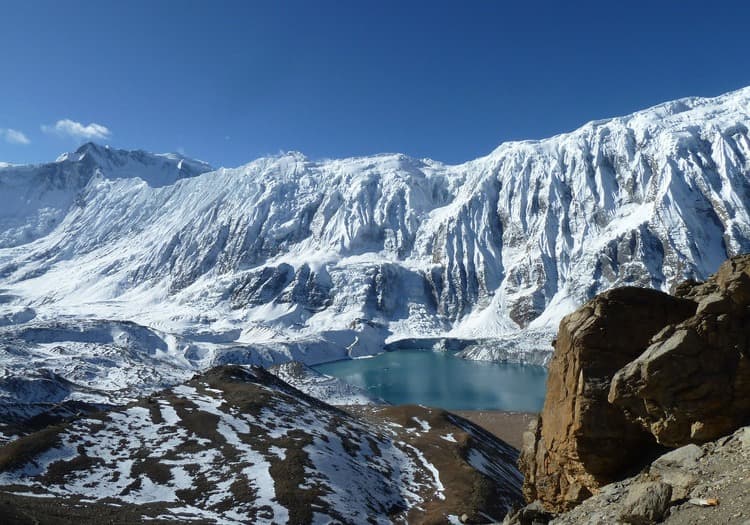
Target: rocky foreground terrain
[
  {"x": 637, "y": 373},
  {"x": 690, "y": 485}
]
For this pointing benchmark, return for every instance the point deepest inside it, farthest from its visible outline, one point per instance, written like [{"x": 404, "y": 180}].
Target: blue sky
[{"x": 230, "y": 81}]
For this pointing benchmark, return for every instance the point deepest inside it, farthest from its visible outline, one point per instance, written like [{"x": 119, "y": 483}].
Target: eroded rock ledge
[{"x": 636, "y": 371}]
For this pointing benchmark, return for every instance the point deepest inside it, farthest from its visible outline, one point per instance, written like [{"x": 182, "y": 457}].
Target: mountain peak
[
  {"x": 88, "y": 148},
  {"x": 91, "y": 147},
  {"x": 118, "y": 160}
]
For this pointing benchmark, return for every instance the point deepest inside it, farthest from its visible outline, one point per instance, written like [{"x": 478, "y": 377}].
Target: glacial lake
[{"x": 440, "y": 379}]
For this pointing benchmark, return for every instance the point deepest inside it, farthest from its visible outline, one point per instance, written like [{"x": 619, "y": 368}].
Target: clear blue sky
[{"x": 230, "y": 81}]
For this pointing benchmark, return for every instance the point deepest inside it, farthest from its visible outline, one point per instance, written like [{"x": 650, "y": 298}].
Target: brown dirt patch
[{"x": 508, "y": 426}]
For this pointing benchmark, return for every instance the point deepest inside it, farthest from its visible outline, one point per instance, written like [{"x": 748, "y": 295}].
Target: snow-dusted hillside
[
  {"x": 287, "y": 257},
  {"x": 237, "y": 445}
]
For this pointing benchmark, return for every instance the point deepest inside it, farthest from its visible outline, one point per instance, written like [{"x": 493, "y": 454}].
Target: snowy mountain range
[{"x": 290, "y": 258}]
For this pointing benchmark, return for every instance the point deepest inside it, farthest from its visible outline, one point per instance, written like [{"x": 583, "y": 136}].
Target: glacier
[{"x": 289, "y": 258}]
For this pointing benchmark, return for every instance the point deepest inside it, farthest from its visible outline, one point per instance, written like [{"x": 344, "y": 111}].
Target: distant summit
[{"x": 107, "y": 157}]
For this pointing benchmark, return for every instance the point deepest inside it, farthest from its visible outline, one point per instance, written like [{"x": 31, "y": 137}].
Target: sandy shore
[{"x": 508, "y": 426}]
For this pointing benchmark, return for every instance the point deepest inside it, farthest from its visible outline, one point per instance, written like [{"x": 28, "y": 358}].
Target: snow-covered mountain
[
  {"x": 287, "y": 257},
  {"x": 37, "y": 198}
]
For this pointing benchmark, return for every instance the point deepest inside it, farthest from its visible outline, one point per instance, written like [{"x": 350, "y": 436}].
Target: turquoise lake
[{"x": 439, "y": 379}]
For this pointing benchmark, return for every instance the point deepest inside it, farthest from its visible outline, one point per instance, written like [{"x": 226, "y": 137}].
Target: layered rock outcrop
[
  {"x": 582, "y": 441},
  {"x": 635, "y": 370},
  {"x": 692, "y": 384}
]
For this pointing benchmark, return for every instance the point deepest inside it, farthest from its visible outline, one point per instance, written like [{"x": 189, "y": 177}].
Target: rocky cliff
[
  {"x": 692, "y": 383},
  {"x": 637, "y": 370}
]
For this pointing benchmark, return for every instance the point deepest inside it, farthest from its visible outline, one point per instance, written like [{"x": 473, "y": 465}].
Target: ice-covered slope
[
  {"x": 344, "y": 254},
  {"x": 36, "y": 198}
]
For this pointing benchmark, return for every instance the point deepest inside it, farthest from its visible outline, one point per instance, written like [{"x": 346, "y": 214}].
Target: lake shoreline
[
  {"x": 441, "y": 379},
  {"x": 506, "y": 425}
]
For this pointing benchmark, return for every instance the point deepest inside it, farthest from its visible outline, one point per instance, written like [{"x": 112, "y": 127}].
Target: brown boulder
[
  {"x": 581, "y": 441},
  {"x": 646, "y": 503},
  {"x": 692, "y": 384}
]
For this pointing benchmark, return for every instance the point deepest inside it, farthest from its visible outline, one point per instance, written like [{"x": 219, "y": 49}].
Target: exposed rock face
[
  {"x": 581, "y": 440},
  {"x": 635, "y": 369},
  {"x": 692, "y": 384}
]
